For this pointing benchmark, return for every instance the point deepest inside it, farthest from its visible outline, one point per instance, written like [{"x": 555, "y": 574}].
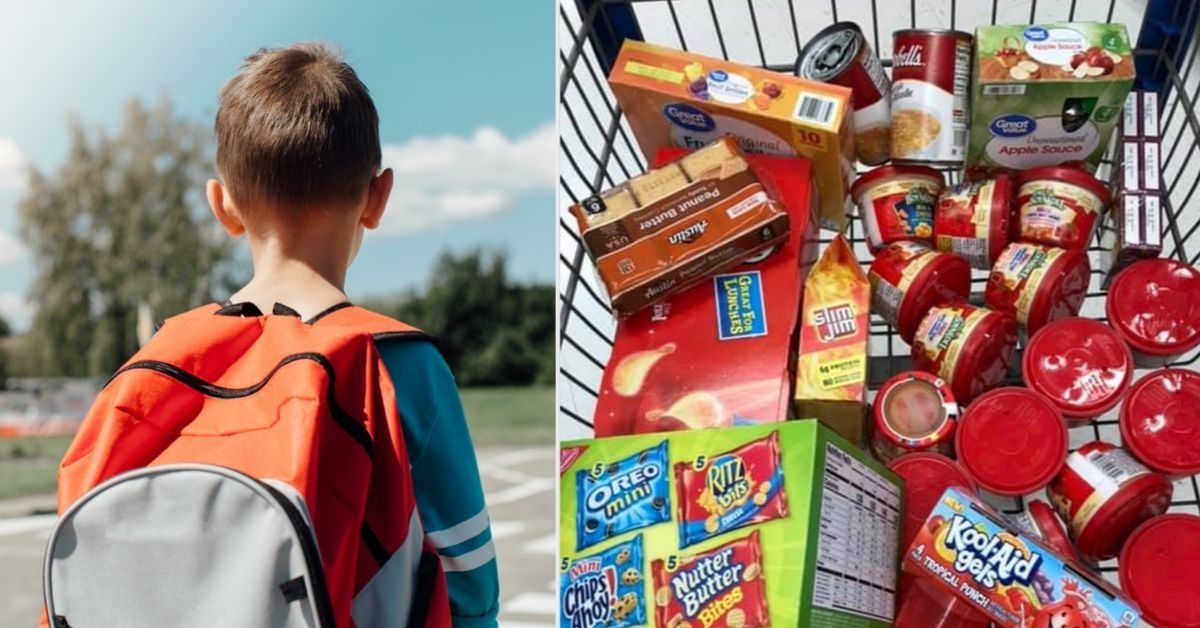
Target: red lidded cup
[
  {"x": 1038, "y": 283},
  {"x": 913, "y": 411},
  {"x": 1012, "y": 440},
  {"x": 967, "y": 346},
  {"x": 1155, "y": 306},
  {"x": 1160, "y": 570},
  {"x": 896, "y": 203},
  {"x": 1040, "y": 519},
  {"x": 909, "y": 278},
  {"x": 1059, "y": 206},
  {"x": 1080, "y": 365},
  {"x": 971, "y": 220},
  {"x": 1160, "y": 421},
  {"x": 926, "y": 476}
]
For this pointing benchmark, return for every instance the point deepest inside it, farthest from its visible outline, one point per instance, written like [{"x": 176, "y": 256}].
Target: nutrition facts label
[{"x": 860, "y": 527}]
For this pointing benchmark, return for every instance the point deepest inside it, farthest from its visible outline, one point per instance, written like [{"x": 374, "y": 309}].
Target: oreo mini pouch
[
  {"x": 727, "y": 491},
  {"x": 607, "y": 589},
  {"x": 616, "y": 497}
]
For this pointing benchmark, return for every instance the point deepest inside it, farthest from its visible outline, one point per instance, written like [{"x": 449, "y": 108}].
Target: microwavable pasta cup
[
  {"x": 896, "y": 203},
  {"x": 1152, "y": 305},
  {"x": 1059, "y": 206},
  {"x": 908, "y": 278},
  {"x": 969, "y": 347}
]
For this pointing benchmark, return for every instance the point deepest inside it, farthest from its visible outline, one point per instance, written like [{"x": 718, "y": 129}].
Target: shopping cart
[{"x": 597, "y": 149}]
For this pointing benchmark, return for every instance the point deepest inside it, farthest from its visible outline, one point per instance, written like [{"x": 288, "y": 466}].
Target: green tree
[
  {"x": 119, "y": 225},
  {"x": 5, "y": 334}
]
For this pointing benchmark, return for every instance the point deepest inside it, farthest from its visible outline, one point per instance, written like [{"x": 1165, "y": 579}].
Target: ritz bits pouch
[
  {"x": 723, "y": 587},
  {"x": 620, "y": 496},
  {"x": 730, "y": 490},
  {"x": 606, "y": 589}
]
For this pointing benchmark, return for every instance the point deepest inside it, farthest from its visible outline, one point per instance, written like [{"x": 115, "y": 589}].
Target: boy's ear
[
  {"x": 378, "y": 192},
  {"x": 224, "y": 209}
]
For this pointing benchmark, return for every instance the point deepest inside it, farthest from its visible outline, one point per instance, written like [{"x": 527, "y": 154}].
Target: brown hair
[{"x": 296, "y": 127}]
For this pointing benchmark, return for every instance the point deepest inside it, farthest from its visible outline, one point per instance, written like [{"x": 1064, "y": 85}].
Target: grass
[{"x": 28, "y": 465}]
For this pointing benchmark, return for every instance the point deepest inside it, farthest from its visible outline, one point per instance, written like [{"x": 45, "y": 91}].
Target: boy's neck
[{"x": 308, "y": 277}]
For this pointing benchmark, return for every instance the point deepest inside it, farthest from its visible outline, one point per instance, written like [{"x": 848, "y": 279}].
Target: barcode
[
  {"x": 960, "y": 137},
  {"x": 1116, "y": 464},
  {"x": 815, "y": 108},
  {"x": 1003, "y": 90}
]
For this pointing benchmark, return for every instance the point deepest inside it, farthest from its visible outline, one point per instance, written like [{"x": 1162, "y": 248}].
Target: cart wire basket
[{"x": 597, "y": 149}]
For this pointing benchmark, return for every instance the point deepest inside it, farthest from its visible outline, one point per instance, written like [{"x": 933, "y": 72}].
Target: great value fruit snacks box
[
  {"x": 1046, "y": 94},
  {"x": 969, "y": 550},
  {"x": 784, "y": 524},
  {"x": 719, "y": 353},
  {"x": 676, "y": 98}
]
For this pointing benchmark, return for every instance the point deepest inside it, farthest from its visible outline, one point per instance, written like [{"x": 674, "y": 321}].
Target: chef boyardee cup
[
  {"x": 1152, "y": 304},
  {"x": 969, "y": 347},
  {"x": 913, "y": 411},
  {"x": 1081, "y": 365},
  {"x": 908, "y": 278},
  {"x": 1103, "y": 494},
  {"x": 1040, "y": 520},
  {"x": 1012, "y": 441},
  {"x": 1160, "y": 421},
  {"x": 1160, "y": 570}
]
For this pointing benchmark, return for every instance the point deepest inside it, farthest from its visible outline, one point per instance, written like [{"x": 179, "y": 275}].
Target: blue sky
[{"x": 464, "y": 91}]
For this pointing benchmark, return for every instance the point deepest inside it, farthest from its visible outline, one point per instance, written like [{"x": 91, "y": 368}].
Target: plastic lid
[
  {"x": 1053, "y": 532},
  {"x": 1135, "y": 502},
  {"x": 1065, "y": 174},
  {"x": 878, "y": 174},
  {"x": 1160, "y": 570},
  {"x": 1160, "y": 421},
  {"x": 1081, "y": 365},
  {"x": 1155, "y": 305},
  {"x": 1002, "y": 200},
  {"x": 985, "y": 356},
  {"x": 1062, "y": 290},
  {"x": 946, "y": 278},
  {"x": 1012, "y": 440},
  {"x": 926, "y": 476}
]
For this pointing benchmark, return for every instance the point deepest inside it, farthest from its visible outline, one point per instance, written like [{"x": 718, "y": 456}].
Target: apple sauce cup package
[
  {"x": 913, "y": 412},
  {"x": 972, "y": 220},
  {"x": 1082, "y": 366},
  {"x": 1160, "y": 421},
  {"x": 1038, "y": 283},
  {"x": 1151, "y": 304},
  {"x": 1160, "y": 570},
  {"x": 909, "y": 278},
  {"x": 1012, "y": 440},
  {"x": 969, "y": 347}
]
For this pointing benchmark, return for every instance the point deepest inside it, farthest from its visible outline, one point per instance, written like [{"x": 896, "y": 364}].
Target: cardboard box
[
  {"x": 1140, "y": 117},
  {"x": 1046, "y": 94},
  {"x": 675, "y": 98},
  {"x": 1139, "y": 219},
  {"x": 968, "y": 550},
  {"x": 719, "y": 353},
  {"x": 831, "y": 370},
  {"x": 784, "y": 524}
]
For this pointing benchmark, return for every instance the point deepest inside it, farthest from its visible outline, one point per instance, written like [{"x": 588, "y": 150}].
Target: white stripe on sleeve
[
  {"x": 473, "y": 559},
  {"x": 462, "y": 531}
]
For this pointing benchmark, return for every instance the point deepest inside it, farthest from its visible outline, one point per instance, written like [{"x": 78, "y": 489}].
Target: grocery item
[
  {"x": 1103, "y": 494},
  {"x": 605, "y": 589},
  {"x": 1160, "y": 570},
  {"x": 830, "y": 560},
  {"x": 661, "y": 374},
  {"x": 1082, "y": 366},
  {"x": 1151, "y": 304},
  {"x": 908, "y": 278},
  {"x": 969, "y": 550},
  {"x": 1160, "y": 421},
  {"x": 831, "y": 363},
  {"x": 1038, "y": 283},
  {"x": 1138, "y": 167},
  {"x": 913, "y": 411},
  {"x": 896, "y": 203},
  {"x": 1040, "y": 521},
  {"x": 1013, "y": 441},
  {"x": 1138, "y": 220},
  {"x": 675, "y": 98},
  {"x": 926, "y": 476},
  {"x": 1059, "y": 206},
  {"x": 1140, "y": 118},
  {"x": 971, "y": 219},
  {"x": 622, "y": 495},
  {"x": 840, "y": 54},
  {"x": 931, "y": 70},
  {"x": 969, "y": 347},
  {"x": 730, "y": 490},
  {"x": 687, "y": 221},
  {"x": 1046, "y": 94},
  {"x": 723, "y": 586},
  {"x": 925, "y": 605}
]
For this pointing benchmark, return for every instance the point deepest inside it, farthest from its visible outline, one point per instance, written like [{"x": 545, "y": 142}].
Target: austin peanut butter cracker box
[
  {"x": 674, "y": 98},
  {"x": 784, "y": 524},
  {"x": 831, "y": 370},
  {"x": 716, "y": 354}
]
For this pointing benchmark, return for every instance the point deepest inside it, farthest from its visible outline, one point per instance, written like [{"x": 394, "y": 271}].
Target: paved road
[{"x": 520, "y": 490}]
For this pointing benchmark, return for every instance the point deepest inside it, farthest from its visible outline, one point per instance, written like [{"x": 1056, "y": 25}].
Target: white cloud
[
  {"x": 16, "y": 309},
  {"x": 10, "y": 249},
  {"x": 451, "y": 178},
  {"x": 12, "y": 165}
]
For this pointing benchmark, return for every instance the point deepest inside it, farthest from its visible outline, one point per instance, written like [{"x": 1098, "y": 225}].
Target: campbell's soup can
[
  {"x": 931, "y": 74},
  {"x": 840, "y": 54}
]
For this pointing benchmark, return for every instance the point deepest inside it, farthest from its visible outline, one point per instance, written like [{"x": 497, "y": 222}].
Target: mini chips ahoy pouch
[
  {"x": 724, "y": 492},
  {"x": 605, "y": 590},
  {"x": 620, "y": 496},
  {"x": 723, "y": 587}
]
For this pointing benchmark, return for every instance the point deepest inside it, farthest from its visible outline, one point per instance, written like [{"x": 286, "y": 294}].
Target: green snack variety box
[
  {"x": 784, "y": 524},
  {"x": 1046, "y": 94}
]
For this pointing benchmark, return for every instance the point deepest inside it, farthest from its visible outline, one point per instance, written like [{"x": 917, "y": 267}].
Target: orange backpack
[{"x": 285, "y": 431}]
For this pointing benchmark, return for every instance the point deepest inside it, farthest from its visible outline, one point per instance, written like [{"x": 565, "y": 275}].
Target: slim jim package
[
  {"x": 783, "y": 524},
  {"x": 676, "y": 98},
  {"x": 662, "y": 374},
  {"x": 673, "y": 226}
]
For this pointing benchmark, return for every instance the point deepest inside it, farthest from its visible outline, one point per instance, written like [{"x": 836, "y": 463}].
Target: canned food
[
  {"x": 1012, "y": 440},
  {"x": 913, "y": 411},
  {"x": 908, "y": 278},
  {"x": 971, "y": 220},
  {"x": 1152, "y": 305},
  {"x": 1080, "y": 365},
  {"x": 1160, "y": 421},
  {"x": 1103, "y": 494},
  {"x": 969, "y": 347},
  {"x": 896, "y": 203},
  {"x": 1038, "y": 283},
  {"x": 931, "y": 71},
  {"x": 1059, "y": 206},
  {"x": 840, "y": 54},
  {"x": 1160, "y": 570},
  {"x": 1040, "y": 520}
]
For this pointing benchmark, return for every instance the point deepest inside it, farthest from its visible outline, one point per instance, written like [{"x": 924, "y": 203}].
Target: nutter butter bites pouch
[
  {"x": 624, "y": 495},
  {"x": 723, "y": 587},
  {"x": 729, "y": 490},
  {"x": 605, "y": 590}
]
